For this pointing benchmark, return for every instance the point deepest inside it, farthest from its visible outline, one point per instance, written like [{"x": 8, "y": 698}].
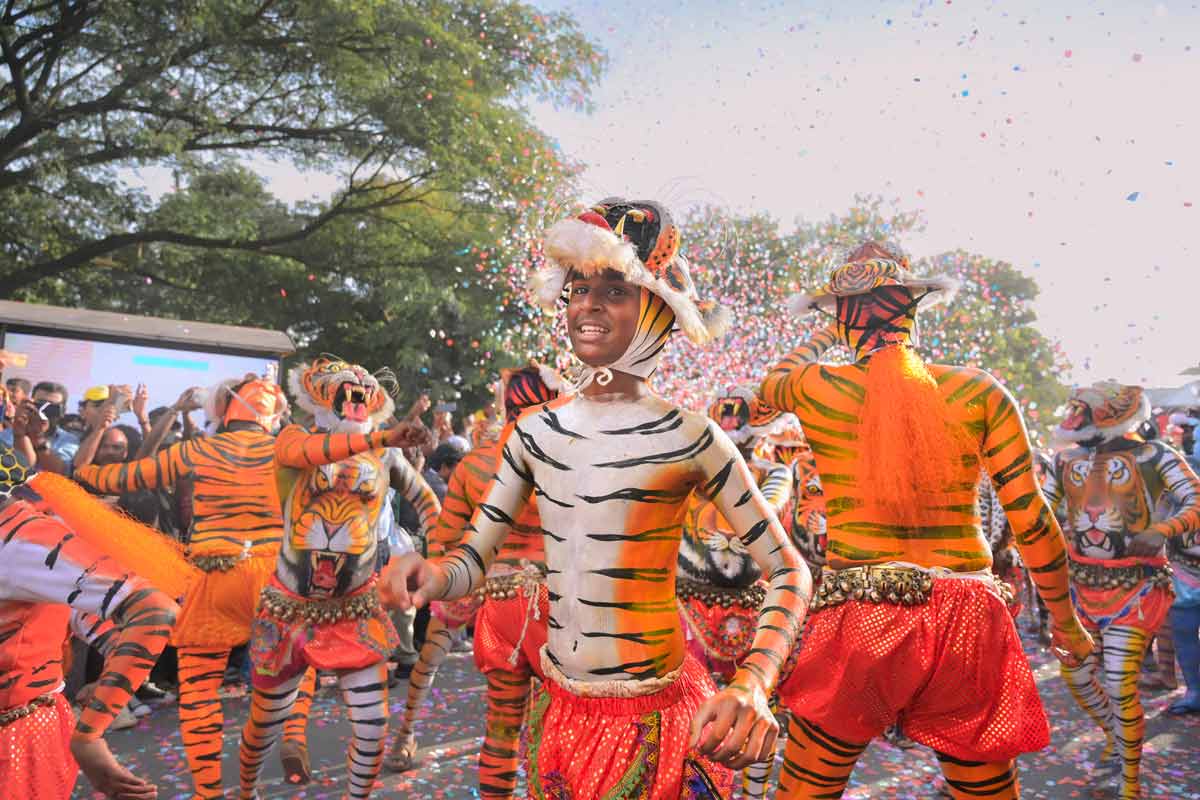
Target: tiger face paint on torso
[
  {"x": 332, "y": 517},
  {"x": 611, "y": 479},
  {"x": 1108, "y": 496},
  {"x": 711, "y": 552}
]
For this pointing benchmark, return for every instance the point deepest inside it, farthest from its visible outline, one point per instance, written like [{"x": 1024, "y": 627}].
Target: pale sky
[
  {"x": 1021, "y": 132},
  {"x": 1019, "y": 129}
]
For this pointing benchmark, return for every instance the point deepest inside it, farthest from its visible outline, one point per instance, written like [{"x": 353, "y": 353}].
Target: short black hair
[
  {"x": 18, "y": 383},
  {"x": 446, "y": 454},
  {"x": 51, "y": 387}
]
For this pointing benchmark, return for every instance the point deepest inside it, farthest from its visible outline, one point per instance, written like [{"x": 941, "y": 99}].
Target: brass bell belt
[
  {"x": 20, "y": 712},
  {"x": 286, "y": 608},
  {"x": 886, "y": 583},
  {"x": 747, "y": 597},
  {"x": 1187, "y": 559},
  {"x": 1098, "y": 576},
  {"x": 506, "y": 587},
  {"x": 216, "y": 563}
]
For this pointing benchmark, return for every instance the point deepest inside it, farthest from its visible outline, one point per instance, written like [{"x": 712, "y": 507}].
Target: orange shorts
[
  {"x": 35, "y": 754},
  {"x": 951, "y": 671},
  {"x": 498, "y": 634},
  {"x": 219, "y": 606},
  {"x": 588, "y": 748}
]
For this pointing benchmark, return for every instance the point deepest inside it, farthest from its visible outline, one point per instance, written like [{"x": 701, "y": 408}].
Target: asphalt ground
[{"x": 451, "y": 728}]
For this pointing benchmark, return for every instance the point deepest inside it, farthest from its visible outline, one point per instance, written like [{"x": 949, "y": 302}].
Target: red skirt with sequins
[
  {"x": 951, "y": 671},
  {"x": 633, "y": 748},
  {"x": 508, "y": 638},
  {"x": 282, "y": 650},
  {"x": 35, "y": 754}
]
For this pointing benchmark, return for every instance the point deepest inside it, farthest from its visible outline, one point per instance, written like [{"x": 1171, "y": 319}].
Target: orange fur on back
[{"x": 910, "y": 451}]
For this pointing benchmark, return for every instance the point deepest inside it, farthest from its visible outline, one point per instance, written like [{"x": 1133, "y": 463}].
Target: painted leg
[
  {"x": 269, "y": 710},
  {"x": 438, "y": 640},
  {"x": 1185, "y": 630},
  {"x": 293, "y": 753},
  {"x": 1124, "y": 649},
  {"x": 364, "y": 692},
  {"x": 507, "y": 700},
  {"x": 971, "y": 780},
  {"x": 1086, "y": 688},
  {"x": 816, "y": 765},
  {"x": 200, "y": 718}
]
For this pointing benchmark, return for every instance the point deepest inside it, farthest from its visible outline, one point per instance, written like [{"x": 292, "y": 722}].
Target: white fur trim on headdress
[
  {"x": 572, "y": 245},
  {"x": 1107, "y": 434},
  {"x": 324, "y": 417}
]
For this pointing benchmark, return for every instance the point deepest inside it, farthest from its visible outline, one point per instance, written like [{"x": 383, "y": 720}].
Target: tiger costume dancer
[
  {"x": 67, "y": 559},
  {"x": 908, "y": 623},
  {"x": 510, "y": 623},
  {"x": 806, "y": 516},
  {"x": 719, "y": 588},
  {"x": 321, "y": 609},
  {"x": 627, "y": 711},
  {"x": 234, "y": 540},
  {"x": 1110, "y": 483}
]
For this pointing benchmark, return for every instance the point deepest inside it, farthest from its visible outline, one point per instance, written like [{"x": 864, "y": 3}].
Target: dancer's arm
[
  {"x": 1181, "y": 483},
  {"x": 297, "y": 448},
  {"x": 457, "y": 510},
  {"x": 413, "y": 488},
  {"x": 782, "y": 387},
  {"x": 735, "y": 726},
  {"x": 1008, "y": 458},
  {"x": 776, "y": 486},
  {"x": 158, "y": 471}
]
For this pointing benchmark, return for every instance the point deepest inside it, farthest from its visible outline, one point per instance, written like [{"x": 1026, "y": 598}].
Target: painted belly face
[
  {"x": 1106, "y": 504},
  {"x": 332, "y": 516}
]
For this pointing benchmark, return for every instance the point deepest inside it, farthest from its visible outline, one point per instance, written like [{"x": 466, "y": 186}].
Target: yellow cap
[{"x": 96, "y": 394}]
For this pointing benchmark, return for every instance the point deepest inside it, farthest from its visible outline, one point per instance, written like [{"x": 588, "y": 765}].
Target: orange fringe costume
[{"x": 88, "y": 560}]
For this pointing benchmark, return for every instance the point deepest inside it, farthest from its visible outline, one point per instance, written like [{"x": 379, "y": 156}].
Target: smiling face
[{"x": 602, "y": 316}]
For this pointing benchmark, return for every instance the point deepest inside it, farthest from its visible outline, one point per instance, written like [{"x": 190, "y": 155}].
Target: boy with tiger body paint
[
  {"x": 626, "y": 712},
  {"x": 320, "y": 609},
  {"x": 510, "y": 618},
  {"x": 908, "y": 623},
  {"x": 1110, "y": 483},
  {"x": 67, "y": 559}
]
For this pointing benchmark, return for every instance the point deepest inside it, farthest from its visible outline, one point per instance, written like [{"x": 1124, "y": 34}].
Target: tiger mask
[{"x": 342, "y": 397}]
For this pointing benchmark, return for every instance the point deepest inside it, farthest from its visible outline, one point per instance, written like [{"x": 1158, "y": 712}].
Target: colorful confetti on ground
[{"x": 451, "y": 728}]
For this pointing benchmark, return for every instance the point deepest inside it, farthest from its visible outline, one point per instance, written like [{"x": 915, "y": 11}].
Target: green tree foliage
[{"x": 417, "y": 106}]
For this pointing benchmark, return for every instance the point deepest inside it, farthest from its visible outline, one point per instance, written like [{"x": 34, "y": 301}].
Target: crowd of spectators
[{"x": 117, "y": 423}]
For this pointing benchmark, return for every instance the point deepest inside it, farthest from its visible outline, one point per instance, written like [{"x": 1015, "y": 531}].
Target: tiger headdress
[{"x": 341, "y": 397}]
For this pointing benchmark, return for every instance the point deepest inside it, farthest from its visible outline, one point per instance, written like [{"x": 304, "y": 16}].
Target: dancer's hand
[
  {"x": 106, "y": 775},
  {"x": 408, "y": 434},
  {"x": 1070, "y": 643},
  {"x": 735, "y": 728},
  {"x": 410, "y": 582}
]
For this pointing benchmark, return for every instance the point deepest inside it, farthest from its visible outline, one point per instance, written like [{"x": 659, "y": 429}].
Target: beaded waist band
[
  {"x": 892, "y": 583},
  {"x": 506, "y": 587},
  {"x": 1098, "y": 576},
  {"x": 286, "y": 607},
  {"x": 625, "y": 687},
  {"x": 1187, "y": 559},
  {"x": 216, "y": 563},
  {"x": 20, "y": 712},
  {"x": 748, "y": 596}
]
